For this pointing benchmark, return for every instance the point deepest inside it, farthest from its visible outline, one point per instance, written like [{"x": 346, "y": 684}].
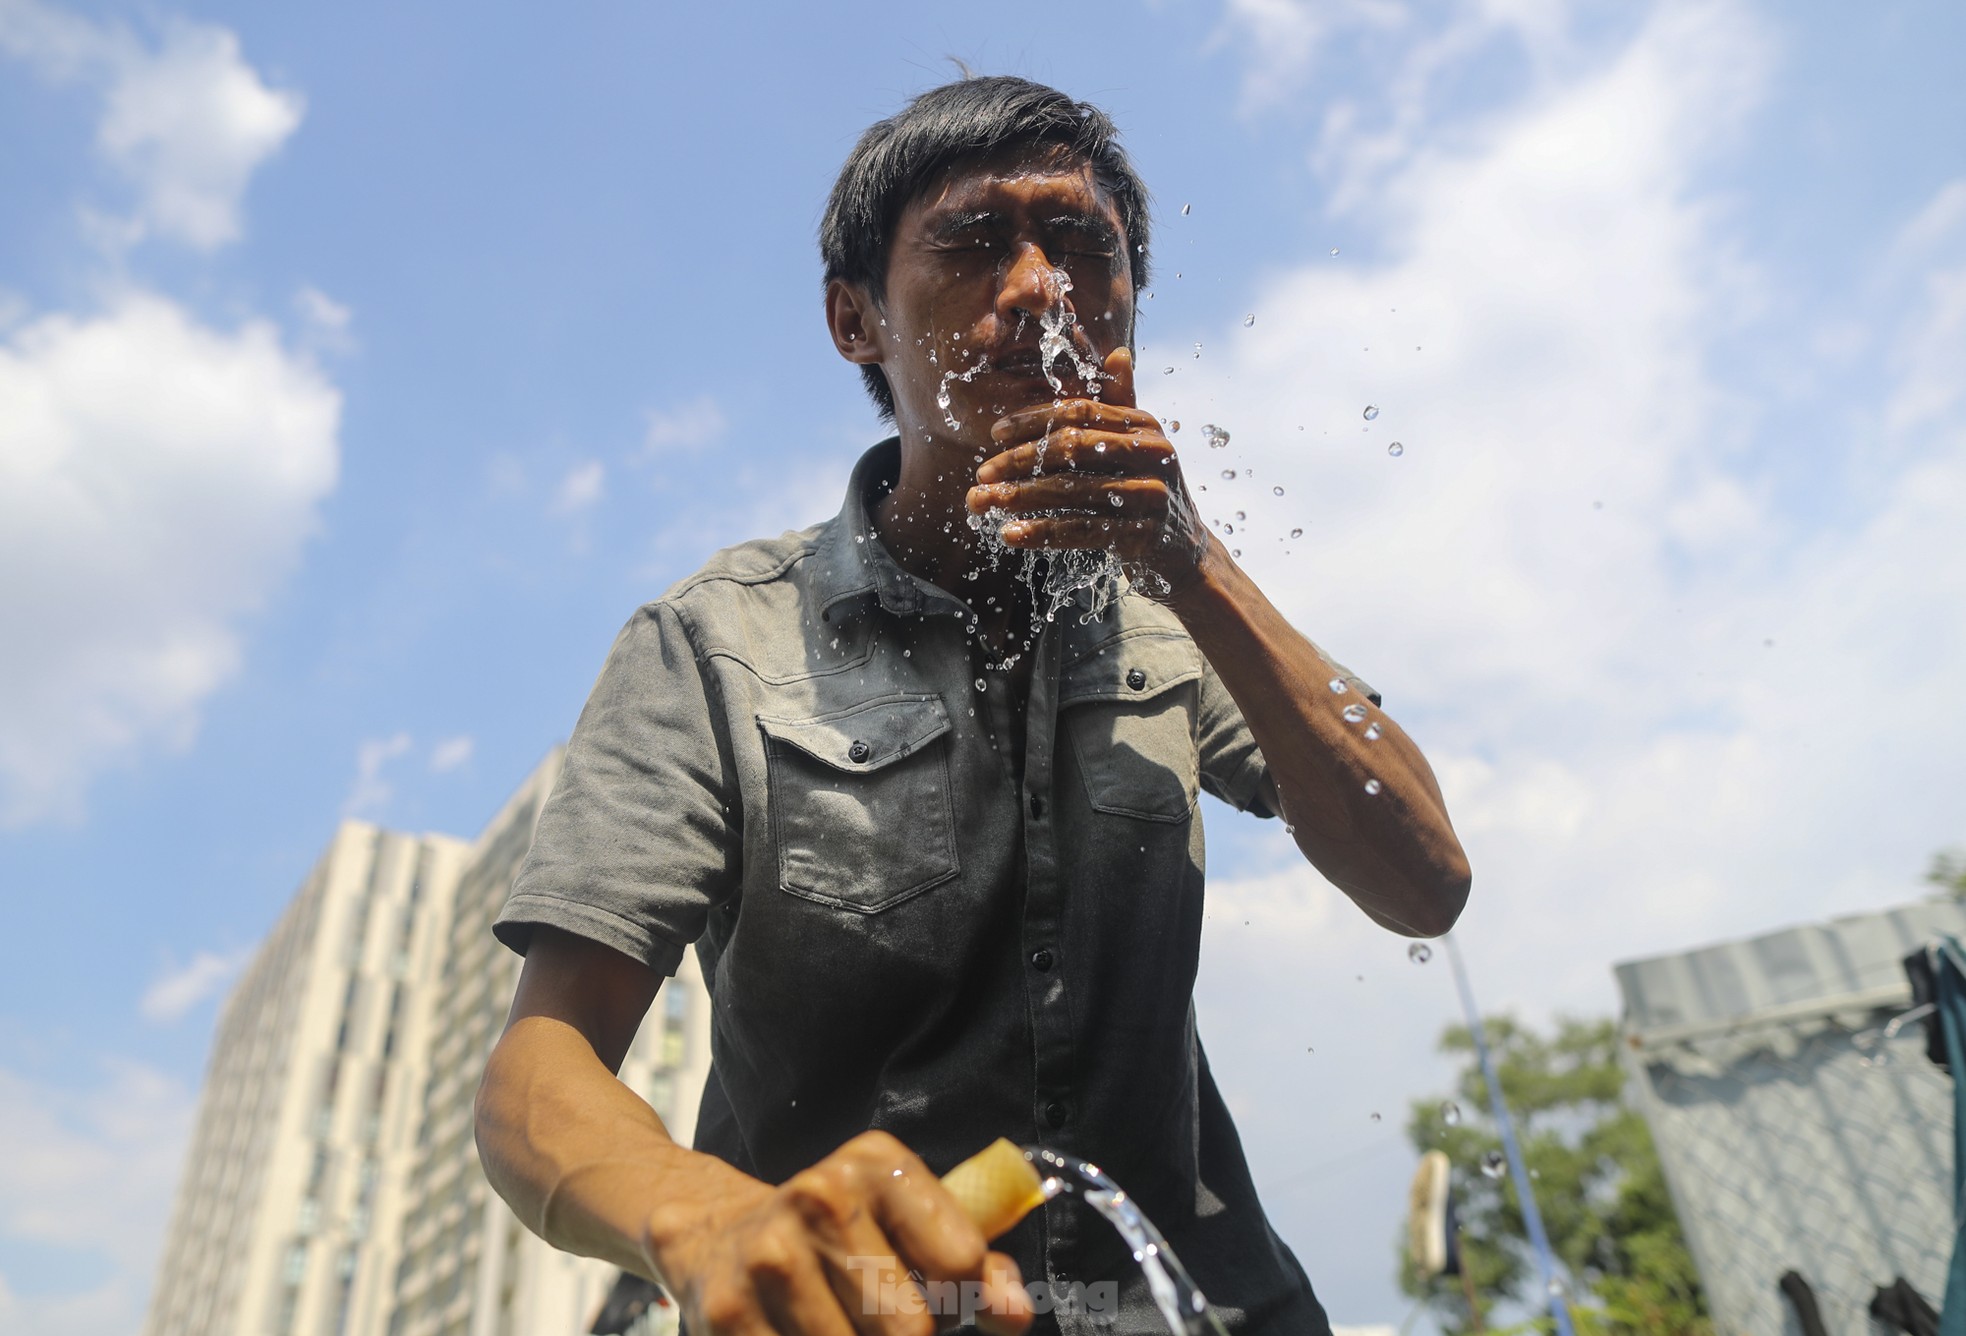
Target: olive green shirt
[{"x": 907, "y": 922}]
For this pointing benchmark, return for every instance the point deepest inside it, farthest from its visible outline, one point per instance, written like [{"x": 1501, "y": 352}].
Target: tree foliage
[
  {"x": 1597, "y": 1179},
  {"x": 1948, "y": 873}
]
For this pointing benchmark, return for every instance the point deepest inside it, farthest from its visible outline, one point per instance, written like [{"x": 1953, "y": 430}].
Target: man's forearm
[
  {"x": 583, "y": 1162},
  {"x": 1365, "y": 810}
]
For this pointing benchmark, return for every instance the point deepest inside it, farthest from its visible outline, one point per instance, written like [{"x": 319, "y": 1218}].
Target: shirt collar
[{"x": 854, "y": 565}]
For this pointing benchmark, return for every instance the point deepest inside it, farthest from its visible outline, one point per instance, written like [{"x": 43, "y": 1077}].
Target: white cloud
[
  {"x": 1283, "y": 39},
  {"x": 185, "y": 119},
  {"x": 157, "y": 480},
  {"x": 325, "y": 321},
  {"x": 689, "y": 427},
  {"x": 451, "y": 753},
  {"x": 583, "y": 487},
  {"x": 177, "y": 990},
  {"x": 371, "y": 790},
  {"x": 91, "y": 1170},
  {"x": 1556, "y": 285}
]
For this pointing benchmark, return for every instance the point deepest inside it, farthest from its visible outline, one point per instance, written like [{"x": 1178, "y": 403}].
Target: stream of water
[{"x": 1174, "y": 1290}]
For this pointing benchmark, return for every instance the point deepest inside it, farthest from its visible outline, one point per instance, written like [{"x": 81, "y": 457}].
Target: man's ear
[{"x": 855, "y": 323}]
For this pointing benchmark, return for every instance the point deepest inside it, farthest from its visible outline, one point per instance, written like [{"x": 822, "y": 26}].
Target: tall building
[
  {"x": 311, "y": 1102},
  {"x": 333, "y": 1185},
  {"x": 469, "y": 1268}
]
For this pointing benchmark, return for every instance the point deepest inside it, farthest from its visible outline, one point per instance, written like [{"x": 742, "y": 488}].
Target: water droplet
[
  {"x": 1198, "y": 352},
  {"x": 1355, "y": 713},
  {"x": 1372, "y": 787},
  {"x": 1296, "y": 533},
  {"x": 981, "y": 685},
  {"x": 1276, "y": 491},
  {"x": 1214, "y": 435},
  {"x": 1113, "y": 499},
  {"x": 1450, "y": 1113},
  {"x": 1249, "y": 320},
  {"x": 1375, "y": 1117},
  {"x": 1395, "y": 449},
  {"x": 1228, "y": 475},
  {"x": 1371, "y": 411},
  {"x": 907, "y": 654},
  {"x": 1241, "y": 516},
  {"x": 1185, "y": 208},
  {"x": 1167, "y": 371},
  {"x": 1372, "y": 732},
  {"x": 1494, "y": 1164},
  {"x": 1556, "y": 1288},
  {"x": 1228, "y": 528},
  {"x": 1338, "y": 687},
  {"x": 1173, "y": 425},
  {"x": 1334, "y": 250},
  {"x": 1419, "y": 953}
]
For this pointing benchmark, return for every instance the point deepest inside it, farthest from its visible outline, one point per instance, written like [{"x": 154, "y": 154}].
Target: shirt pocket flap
[
  {"x": 1133, "y": 666},
  {"x": 864, "y": 737}
]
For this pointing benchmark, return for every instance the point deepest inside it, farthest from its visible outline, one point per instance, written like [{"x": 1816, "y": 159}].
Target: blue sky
[{"x": 360, "y": 370}]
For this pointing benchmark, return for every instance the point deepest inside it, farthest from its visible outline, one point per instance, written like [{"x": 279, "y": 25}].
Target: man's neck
[{"x": 923, "y": 522}]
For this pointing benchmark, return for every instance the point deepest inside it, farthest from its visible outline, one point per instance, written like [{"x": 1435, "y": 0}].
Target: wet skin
[{"x": 975, "y": 265}]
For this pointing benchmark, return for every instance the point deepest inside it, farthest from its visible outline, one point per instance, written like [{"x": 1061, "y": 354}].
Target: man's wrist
[
  {"x": 686, "y": 1217},
  {"x": 1188, "y": 588}
]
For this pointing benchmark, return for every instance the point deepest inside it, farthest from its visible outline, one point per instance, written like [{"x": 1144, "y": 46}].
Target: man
[{"x": 930, "y": 823}]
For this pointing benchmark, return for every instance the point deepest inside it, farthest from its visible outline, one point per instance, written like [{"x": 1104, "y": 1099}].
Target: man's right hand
[{"x": 836, "y": 1251}]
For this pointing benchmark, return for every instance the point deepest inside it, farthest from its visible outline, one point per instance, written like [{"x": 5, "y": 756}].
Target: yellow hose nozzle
[{"x": 996, "y": 1187}]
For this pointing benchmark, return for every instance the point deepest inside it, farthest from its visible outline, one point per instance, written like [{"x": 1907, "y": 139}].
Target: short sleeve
[
  {"x": 1232, "y": 765},
  {"x": 639, "y": 839}
]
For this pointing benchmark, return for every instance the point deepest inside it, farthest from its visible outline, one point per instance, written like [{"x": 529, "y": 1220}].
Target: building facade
[
  {"x": 310, "y": 1102},
  {"x": 332, "y": 1187},
  {"x": 1800, "y": 1124},
  {"x": 469, "y": 1267}
]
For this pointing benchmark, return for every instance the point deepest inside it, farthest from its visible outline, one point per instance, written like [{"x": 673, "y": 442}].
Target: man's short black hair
[{"x": 898, "y": 158}]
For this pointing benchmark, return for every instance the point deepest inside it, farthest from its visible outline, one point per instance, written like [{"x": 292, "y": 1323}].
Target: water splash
[
  {"x": 1175, "y": 1293},
  {"x": 1055, "y": 577},
  {"x": 1056, "y": 325},
  {"x": 942, "y": 399}
]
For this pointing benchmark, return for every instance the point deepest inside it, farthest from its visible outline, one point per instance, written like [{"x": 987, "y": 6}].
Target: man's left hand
[{"x": 1095, "y": 473}]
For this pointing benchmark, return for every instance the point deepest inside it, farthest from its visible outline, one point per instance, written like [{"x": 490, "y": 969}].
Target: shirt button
[
  {"x": 1136, "y": 679},
  {"x": 858, "y": 753},
  {"x": 1054, "y": 1113},
  {"x": 1041, "y": 960},
  {"x": 1037, "y": 805}
]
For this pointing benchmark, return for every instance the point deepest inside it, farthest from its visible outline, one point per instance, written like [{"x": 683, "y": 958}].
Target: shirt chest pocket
[
  {"x": 1128, "y": 708},
  {"x": 859, "y": 801}
]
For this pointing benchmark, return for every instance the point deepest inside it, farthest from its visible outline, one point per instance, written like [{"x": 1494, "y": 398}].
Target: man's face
[{"x": 985, "y": 265}]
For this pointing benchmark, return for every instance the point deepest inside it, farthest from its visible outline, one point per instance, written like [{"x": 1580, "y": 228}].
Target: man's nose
[{"x": 1031, "y": 285}]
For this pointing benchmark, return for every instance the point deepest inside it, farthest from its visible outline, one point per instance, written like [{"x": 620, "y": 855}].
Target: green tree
[
  {"x": 1597, "y": 1177},
  {"x": 1948, "y": 873}
]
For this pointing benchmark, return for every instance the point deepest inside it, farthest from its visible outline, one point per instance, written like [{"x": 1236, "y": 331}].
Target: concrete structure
[
  {"x": 333, "y": 1186},
  {"x": 283, "y": 1222},
  {"x": 1793, "y": 1132},
  {"x": 469, "y": 1267}
]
